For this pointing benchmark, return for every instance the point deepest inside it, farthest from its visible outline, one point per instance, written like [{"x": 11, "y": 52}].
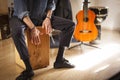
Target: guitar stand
[
  {"x": 83, "y": 44},
  {"x": 87, "y": 44}
]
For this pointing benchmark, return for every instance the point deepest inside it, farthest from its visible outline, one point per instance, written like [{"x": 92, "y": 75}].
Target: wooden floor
[{"x": 91, "y": 63}]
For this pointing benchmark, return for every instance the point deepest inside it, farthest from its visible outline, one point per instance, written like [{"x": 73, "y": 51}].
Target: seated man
[{"x": 32, "y": 13}]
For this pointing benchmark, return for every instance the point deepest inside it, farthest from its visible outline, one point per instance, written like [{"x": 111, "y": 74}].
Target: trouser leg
[
  {"x": 17, "y": 30},
  {"x": 66, "y": 27}
]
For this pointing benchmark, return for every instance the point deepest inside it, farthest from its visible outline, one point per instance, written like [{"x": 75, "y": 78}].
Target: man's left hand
[{"x": 47, "y": 25}]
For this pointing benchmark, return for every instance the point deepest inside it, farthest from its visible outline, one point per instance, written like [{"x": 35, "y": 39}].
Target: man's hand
[
  {"x": 35, "y": 36},
  {"x": 47, "y": 25}
]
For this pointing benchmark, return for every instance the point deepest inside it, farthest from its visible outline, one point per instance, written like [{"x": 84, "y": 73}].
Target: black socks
[
  {"x": 60, "y": 54},
  {"x": 27, "y": 65}
]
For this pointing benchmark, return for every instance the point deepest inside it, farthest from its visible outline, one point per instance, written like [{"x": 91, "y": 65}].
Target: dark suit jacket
[{"x": 63, "y": 9}]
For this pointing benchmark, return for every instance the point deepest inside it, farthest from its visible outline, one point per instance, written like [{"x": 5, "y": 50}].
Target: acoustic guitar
[{"x": 85, "y": 29}]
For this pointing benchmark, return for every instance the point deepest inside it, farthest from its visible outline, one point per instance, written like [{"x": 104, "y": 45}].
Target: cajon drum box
[{"x": 39, "y": 55}]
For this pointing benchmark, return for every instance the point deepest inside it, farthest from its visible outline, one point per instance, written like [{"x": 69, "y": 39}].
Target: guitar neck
[
  {"x": 85, "y": 0},
  {"x": 85, "y": 9}
]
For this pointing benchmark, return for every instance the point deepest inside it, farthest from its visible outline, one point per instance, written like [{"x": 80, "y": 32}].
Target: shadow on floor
[{"x": 115, "y": 77}]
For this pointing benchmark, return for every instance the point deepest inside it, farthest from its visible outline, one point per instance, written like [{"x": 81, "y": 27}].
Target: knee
[
  {"x": 17, "y": 27},
  {"x": 72, "y": 26},
  {"x": 17, "y": 31}
]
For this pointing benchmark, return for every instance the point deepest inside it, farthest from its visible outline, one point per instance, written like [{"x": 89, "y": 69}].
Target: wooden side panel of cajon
[{"x": 39, "y": 55}]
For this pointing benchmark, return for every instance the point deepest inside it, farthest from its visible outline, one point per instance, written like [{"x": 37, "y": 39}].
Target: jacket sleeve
[
  {"x": 20, "y": 9},
  {"x": 51, "y": 5}
]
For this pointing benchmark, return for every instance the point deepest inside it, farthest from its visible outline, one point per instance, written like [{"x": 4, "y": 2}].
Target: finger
[
  {"x": 41, "y": 33},
  {"x": 50, "y": 30},
  {"x": 31, "y": 39},
  {"x": 43, "y": 26},
  {"x": 46, "y": 29},
  {"x": 34, "y": 40},
  {"x": 38, "y": 39}
]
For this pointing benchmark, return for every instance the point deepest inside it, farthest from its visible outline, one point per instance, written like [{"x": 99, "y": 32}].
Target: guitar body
[{"x": 85, "y": 30}]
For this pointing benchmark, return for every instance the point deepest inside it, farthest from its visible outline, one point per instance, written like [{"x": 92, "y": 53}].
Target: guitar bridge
[{"x": 85, "y": 31}]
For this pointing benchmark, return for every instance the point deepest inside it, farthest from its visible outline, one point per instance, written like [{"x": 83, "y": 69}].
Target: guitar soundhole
[
  {"x": 85, "y": 31},
  {"x": 85, "y": 19}
]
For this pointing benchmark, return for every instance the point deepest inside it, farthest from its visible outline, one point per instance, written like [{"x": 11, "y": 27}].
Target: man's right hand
[
  {"x": 35, "y": 36},
  {"x": 35, "y": 33}
]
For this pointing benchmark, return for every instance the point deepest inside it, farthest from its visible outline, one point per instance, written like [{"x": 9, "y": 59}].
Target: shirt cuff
[
  {"x": 51, "y": 6},
  {"x": 23, "y": 14}
]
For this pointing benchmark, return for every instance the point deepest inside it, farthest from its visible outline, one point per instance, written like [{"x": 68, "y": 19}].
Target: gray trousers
[{"x": 18, "y": 27}]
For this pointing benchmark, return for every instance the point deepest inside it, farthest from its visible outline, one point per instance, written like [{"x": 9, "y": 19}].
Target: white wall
[
  {"x": 112, "y": 21},
  {"x": 77, "y": 5}
]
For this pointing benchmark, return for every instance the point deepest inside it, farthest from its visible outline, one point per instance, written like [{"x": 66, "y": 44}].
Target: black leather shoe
[
  {"x": 25, "y": 75},
  {"x": 63, "y": 64}
]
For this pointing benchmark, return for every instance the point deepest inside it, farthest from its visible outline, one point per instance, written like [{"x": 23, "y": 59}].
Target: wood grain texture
[{"x": 39, "y": 55}]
